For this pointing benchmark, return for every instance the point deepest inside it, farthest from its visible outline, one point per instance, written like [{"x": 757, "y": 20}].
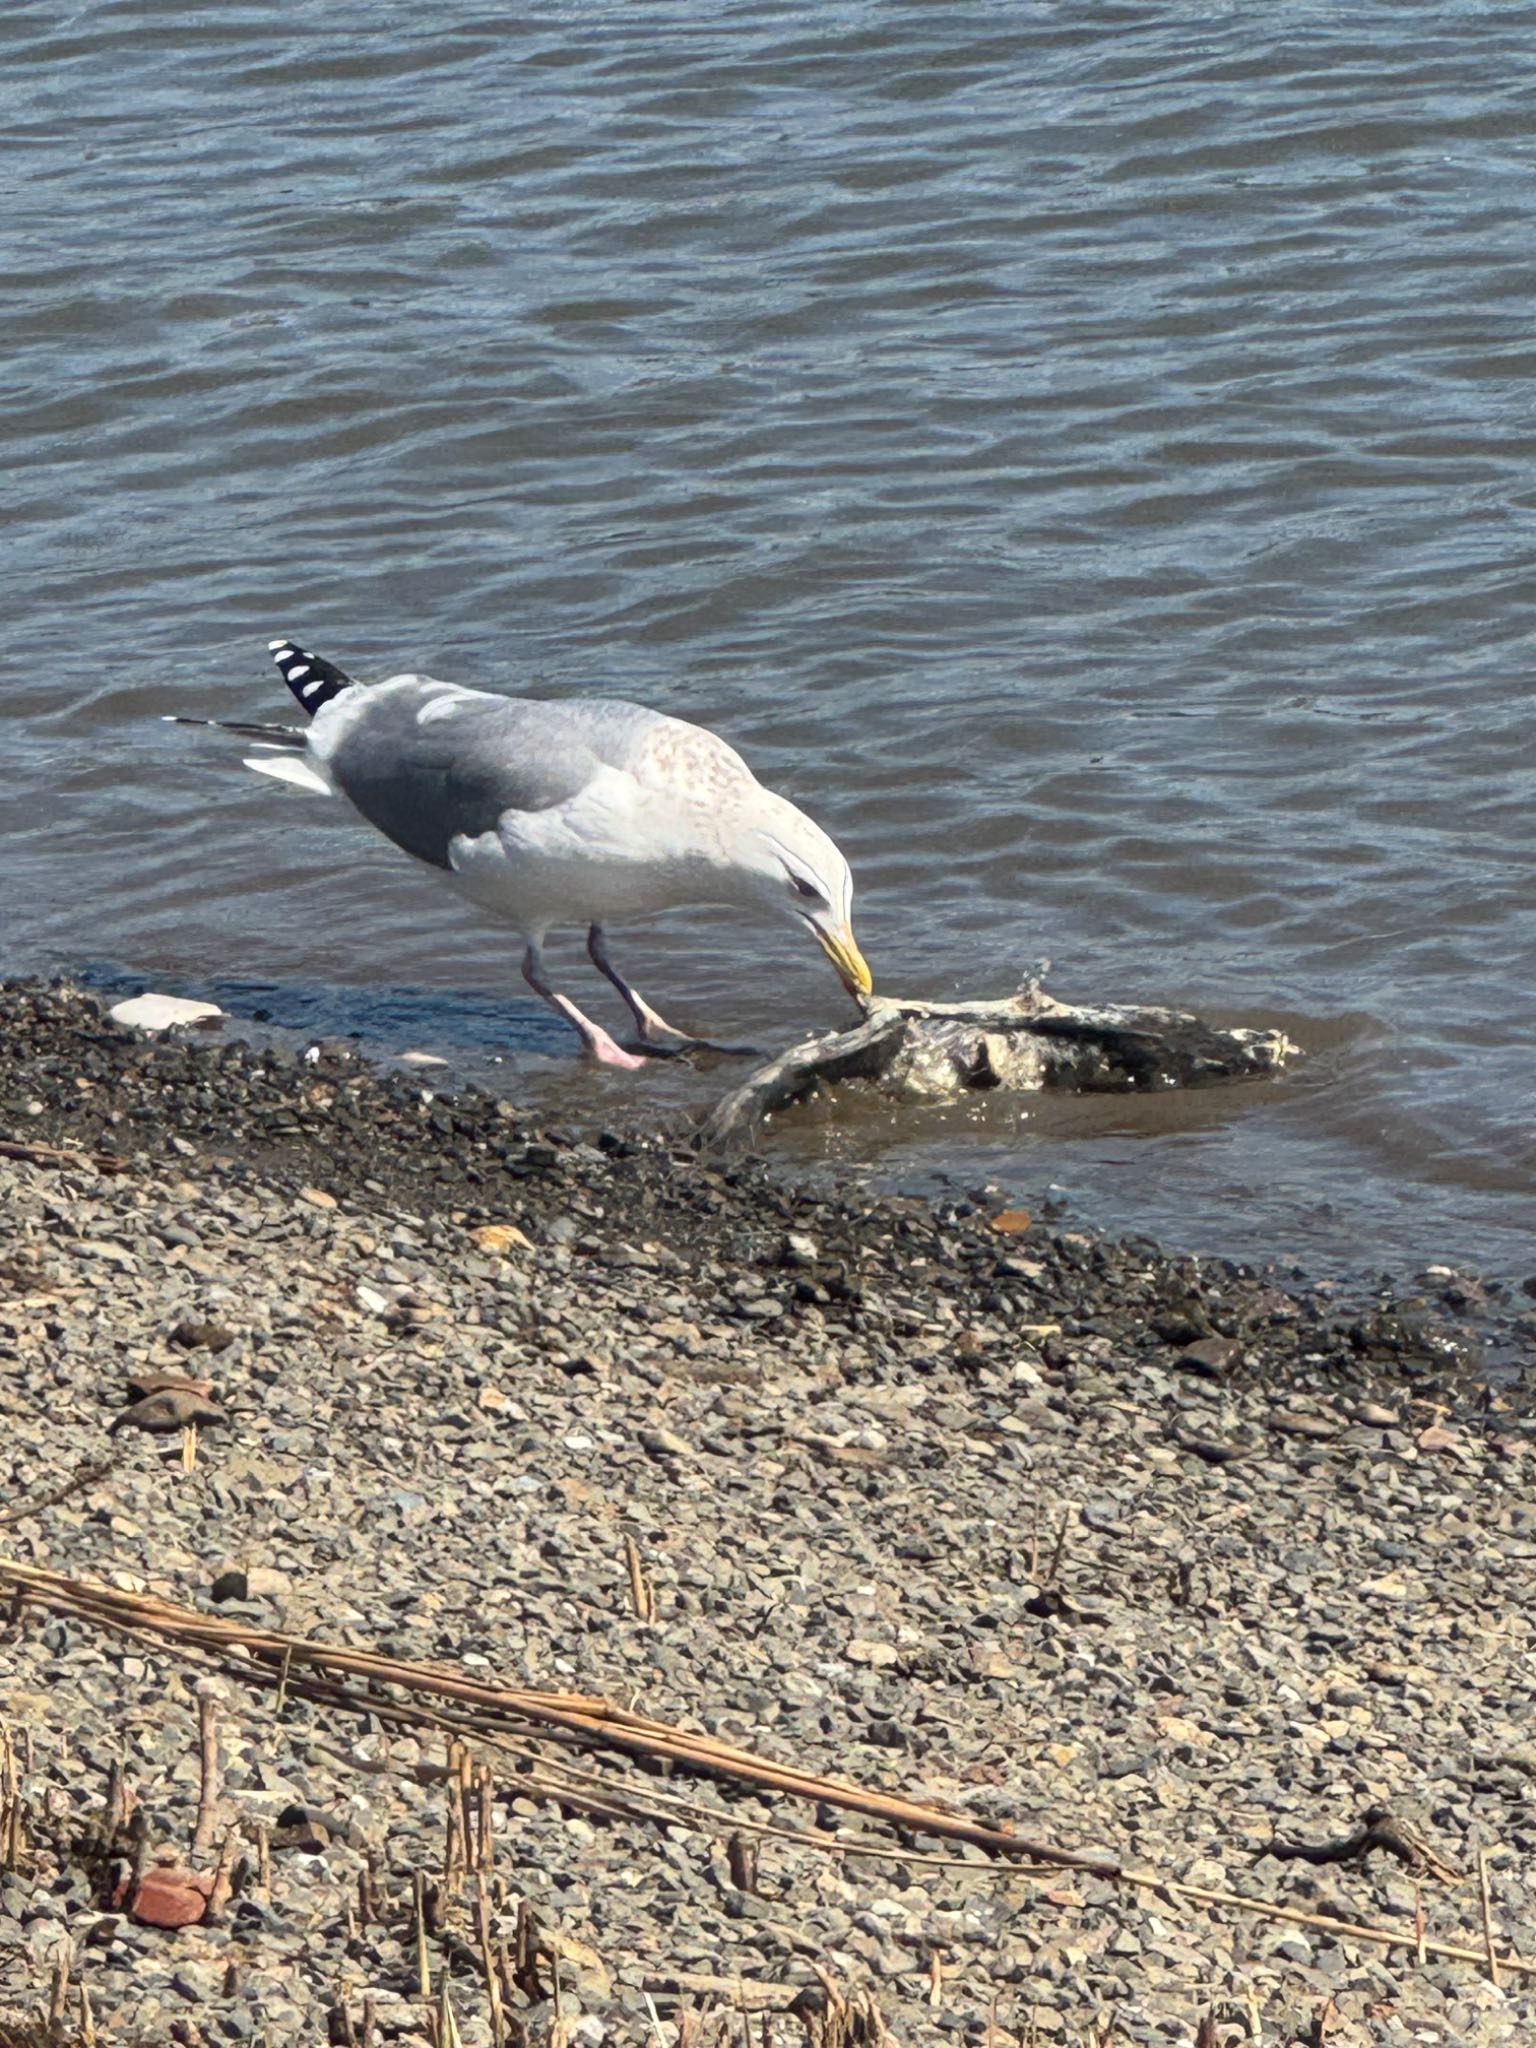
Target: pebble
[{"x": 170, "y": 1409}]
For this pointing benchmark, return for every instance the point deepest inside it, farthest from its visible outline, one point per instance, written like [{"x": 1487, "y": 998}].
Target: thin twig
[
  {"x": 1351, "y": 1930},
  {"x": 82, "y": 1477},
  {"x": 1488, "y": 1941}
]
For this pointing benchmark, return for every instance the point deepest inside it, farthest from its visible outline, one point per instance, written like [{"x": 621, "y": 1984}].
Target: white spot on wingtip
[
  {"x": 279, "y": 646},
  {"x": 297, "y": 671}
]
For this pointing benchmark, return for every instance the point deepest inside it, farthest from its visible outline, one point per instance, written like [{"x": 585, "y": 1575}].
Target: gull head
[{"x": 795, "y": 869}]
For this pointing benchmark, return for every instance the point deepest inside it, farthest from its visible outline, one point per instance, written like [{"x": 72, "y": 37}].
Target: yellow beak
[{"x": 845, "y": 956}]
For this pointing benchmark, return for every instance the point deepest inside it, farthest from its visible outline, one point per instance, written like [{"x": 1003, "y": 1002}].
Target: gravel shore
[{"x": 1160, "y": 1556}]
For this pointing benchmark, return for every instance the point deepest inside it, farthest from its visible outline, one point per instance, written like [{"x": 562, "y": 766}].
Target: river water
[{"x": 1082, "y": 453}]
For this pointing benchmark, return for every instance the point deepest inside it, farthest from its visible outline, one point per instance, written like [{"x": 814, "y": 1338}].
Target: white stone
[{"x": 159, "y": 1013}]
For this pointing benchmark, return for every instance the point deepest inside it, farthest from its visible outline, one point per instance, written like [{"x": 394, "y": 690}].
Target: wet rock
[
  {"x": 195, "y": 1333},
  {"x": 171, "y": 1409},
  {"x": 1212, "y": 1357}
]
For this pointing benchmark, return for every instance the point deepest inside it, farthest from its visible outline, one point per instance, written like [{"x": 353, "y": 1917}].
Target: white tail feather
[{"x": 289, "y": 768}]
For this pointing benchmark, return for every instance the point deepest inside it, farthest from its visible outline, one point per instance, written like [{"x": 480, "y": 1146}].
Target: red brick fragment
[{"x": 167, "y": 1897}]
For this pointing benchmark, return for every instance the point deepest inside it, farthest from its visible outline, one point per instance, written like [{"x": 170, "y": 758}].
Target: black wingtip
[{"x": 312, "y": 679}]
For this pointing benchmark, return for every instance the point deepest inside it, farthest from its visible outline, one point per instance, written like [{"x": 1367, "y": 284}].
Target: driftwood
[{"x": 1022, "y": 1043}]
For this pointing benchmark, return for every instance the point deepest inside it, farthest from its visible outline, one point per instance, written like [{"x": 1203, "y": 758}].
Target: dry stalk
[
  {"x": 525, "y": 1959},
  {"x": 1054, "y": 1568},
  {"x": 120, "y": 1803},
  {"x": 1488, "y": 1940},
  {"x": 12, "y": 1832},
  {"x": 223, "y": 1876},
  {"x": 485, "y": 1786},
  {"x": 451, "y": 1836},
  {"x": 741, "y": 1855},
  {"x": 419, "y": 1902},
  {"x": 469, "y": 1834},
  {"x": 210, "y": 1783},
  {"x": 447, "y": 2024},
  {"x": 488, "y": 1960},
  {"x": 58, "y": 1991},
  {"x": 341, "y": 2020},
  {"x": 642, "y": 1589}
]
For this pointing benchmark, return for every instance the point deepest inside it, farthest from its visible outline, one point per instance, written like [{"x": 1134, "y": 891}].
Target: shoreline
[{"x": 1168, "y": 1555}]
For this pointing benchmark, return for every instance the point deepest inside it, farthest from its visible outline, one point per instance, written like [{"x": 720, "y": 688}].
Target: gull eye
[{"x": 806, "y": 891}]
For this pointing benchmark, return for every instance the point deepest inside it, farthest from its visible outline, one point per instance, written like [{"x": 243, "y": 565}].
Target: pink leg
[
  {"x": 648, "y": 1022},
  {"x": 596, "y": 1040}
]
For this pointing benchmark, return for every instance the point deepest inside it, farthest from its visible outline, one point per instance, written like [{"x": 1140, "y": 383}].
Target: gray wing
[{"x": 476, "y": 757}]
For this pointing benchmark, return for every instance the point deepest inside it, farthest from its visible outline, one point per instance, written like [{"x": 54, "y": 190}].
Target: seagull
[{"x": 547, "y": 813}]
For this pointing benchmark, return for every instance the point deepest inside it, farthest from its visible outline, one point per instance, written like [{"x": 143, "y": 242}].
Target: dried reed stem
[
  {"x": 210, "y": 1783},
  {"x": 488, "y": 1960},
  {"x": 423, "y": 1966},
  {"x": 596, "y": 1720},
  {"x": 12, "y": 1834},
  {"x": 223, "y": 1876},
  {"x": 1488, "y": 1941},
  {"x": 341, "y": 2016},
  {"x": 486, "y": 1789},
  {"x": 58, "y": 1990},
  {"x": 642, "y": 1590},
  {"x": 1350, "y": 1930}
]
